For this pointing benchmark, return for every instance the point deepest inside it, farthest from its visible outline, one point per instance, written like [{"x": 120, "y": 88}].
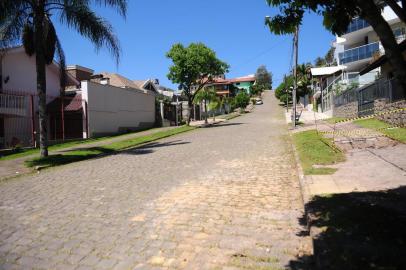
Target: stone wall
[
  {"x": 398, "y": 118},
  {"x": 349, "y": 110}
]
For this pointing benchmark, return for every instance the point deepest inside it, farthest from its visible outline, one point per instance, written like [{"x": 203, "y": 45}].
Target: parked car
[{"x": 259, "y": 102}]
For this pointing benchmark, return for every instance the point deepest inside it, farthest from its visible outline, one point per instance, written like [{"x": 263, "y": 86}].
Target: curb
[{"x": 305, "y": 195}]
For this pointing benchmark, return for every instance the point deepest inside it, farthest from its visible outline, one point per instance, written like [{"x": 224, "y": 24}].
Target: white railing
[{"x": 13, "y": 104}]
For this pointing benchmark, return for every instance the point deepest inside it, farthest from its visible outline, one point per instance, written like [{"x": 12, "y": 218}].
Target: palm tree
[
  {"x": 205, "y": 95},
  {"x": 30, "y": 22},
  {"x": 216, "y": 104}
]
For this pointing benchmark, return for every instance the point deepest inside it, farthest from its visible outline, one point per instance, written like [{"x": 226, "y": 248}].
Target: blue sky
[{"x": 233, "y": 28}]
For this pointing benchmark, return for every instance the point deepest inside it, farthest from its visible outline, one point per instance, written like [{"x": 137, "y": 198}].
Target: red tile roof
[{"x": 243, "y": 79}]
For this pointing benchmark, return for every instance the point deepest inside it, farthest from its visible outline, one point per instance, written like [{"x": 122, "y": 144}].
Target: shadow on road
[
  {"x": 358, "y": 230},
  {"x": 224, "y": 125},
  {"x": 149, "y": 148}
]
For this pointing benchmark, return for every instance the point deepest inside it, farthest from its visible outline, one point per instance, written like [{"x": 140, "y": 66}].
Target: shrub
[{"x": 242, "y": 100}]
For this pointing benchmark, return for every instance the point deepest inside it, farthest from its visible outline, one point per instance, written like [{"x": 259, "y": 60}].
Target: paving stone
[{"x": 195, "y": 201}]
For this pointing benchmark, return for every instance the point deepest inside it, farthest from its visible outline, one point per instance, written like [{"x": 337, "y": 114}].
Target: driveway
[{"x": 225, "y": 197}]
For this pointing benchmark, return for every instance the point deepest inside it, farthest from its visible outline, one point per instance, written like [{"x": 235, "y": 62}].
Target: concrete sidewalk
[{"x": 374, "y": 161}]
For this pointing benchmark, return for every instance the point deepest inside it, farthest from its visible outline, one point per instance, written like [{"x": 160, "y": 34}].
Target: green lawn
[
  {"x": 315, "y": 150},
  {"x": 229, "y": 116},
  {"x": 23, "y": 152},
  {"x": 92, "y": 152},
  {"x": 398, "y": 134}
]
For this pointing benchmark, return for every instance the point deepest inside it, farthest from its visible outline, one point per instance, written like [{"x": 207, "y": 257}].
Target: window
[{"x": 399, "y": 31}]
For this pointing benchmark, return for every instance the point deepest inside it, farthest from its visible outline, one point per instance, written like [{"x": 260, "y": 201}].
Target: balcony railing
[
  {"x": 358, "y": 53},
  {"x": 356, "y": 25},
  {"x": 13, "y": 104}
]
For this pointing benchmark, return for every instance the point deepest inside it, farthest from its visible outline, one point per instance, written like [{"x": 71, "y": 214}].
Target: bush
[{"x": 242, "y": 100}]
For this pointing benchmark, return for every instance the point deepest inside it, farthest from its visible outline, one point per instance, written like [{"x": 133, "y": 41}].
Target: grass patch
[
  {"x": 23, "y": 152},
  {"x": 92, "y": 152},
  {"x": 316, "y": 150},
  {"x": 334, "y": 120},
  {"x": 398, "y": 134},
  {"x": 229, "y": 116}
]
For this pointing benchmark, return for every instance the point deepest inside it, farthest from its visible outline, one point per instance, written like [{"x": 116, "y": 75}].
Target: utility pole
[{"x": 296, "y": 46}]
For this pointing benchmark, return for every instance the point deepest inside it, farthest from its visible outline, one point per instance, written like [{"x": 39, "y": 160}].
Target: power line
[{"x": 261, "y": 54}]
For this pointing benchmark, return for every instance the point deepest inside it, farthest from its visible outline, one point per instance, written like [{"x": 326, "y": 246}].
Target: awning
[
  {"x": 325, "y": 71},
  {"x": 71, "y": 104}
]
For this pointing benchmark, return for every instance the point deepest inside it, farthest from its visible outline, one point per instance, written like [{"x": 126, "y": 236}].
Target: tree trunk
[
  {"x": 372, "y": 14},
  {"x": 190, "y": 104},
  {"x": 41, "y": 77},
  {"x": 205, "y": 112}
]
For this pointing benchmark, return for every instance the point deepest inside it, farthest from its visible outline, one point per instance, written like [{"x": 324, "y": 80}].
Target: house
[
  {"x": 223, "y": 86},
  {"x": 354, "y": 50},
  {"x": 116, "y": 104},
  {"x": 18, "y": 96},
  {"x": 323, "y": 79},
  {"x": 244, "y": 83},
  {"x": 89, "y": 106}
]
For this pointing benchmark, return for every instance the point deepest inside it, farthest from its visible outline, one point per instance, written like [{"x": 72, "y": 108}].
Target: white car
[{"x": 259, "y": 102}]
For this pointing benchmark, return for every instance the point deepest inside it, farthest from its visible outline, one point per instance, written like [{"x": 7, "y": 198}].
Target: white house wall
[
  {"x": 21, "y": 71},
  {"x": 113, "y": 110}
]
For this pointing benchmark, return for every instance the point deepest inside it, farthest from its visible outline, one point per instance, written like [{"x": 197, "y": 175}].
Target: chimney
[{"x": 79, "y": 72}]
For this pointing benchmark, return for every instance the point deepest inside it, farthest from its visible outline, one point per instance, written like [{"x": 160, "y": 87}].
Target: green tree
[
  {"x": 303, "y": 81},
  {"x": 283, "y": 92},
  {"x": 337, "y": 16},
  {"x": 215, "y": 104},
  {"x": 263, "y": 78},
  {"x": 193, "y": 68},
  {"x": 205, "y": 96},
  {"x": 241, "y": 100},
  {"x": 31, "y": 22},
  {"x": 256, "y": 89},
  {"x": 320, "y": 62}
]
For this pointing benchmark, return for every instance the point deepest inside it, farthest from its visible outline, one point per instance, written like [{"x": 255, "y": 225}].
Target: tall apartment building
[
  {"x": 355, "y": 50},
  {"x": 360, "y": 45}
]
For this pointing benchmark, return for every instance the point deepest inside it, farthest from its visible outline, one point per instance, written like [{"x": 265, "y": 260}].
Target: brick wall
[
  {"x": 348, "y": 110},
  {"x": 399, "y": 118}
]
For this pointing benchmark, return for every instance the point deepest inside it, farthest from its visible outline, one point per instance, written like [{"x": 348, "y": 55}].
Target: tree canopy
[
  {"x": 263, "y": 78},
  {"x": 193, "y": 68}
]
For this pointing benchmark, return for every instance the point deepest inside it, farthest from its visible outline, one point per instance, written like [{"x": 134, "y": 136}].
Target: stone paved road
[{"x": 225, "y": 197}]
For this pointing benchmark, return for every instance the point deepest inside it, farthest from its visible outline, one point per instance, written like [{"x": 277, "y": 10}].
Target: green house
[{"x": 244, "y": 83}]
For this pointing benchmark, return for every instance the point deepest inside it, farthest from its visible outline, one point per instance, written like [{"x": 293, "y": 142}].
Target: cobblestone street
[{"x": 225, "y": 197}]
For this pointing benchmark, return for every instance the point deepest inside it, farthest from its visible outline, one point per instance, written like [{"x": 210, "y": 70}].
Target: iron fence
[
  {"x": 381, "y": 89},
  {"x": 19, "y": 118},
  {"x": 366, "y": 95},
  {"x": 346, "y": 97}
]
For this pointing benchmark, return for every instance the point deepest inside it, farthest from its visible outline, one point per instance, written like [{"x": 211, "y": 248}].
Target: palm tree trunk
[
  {"x": 41, "y": 77},
  {"x": 372, "y": 14},
  {"x": 206, "y": 113}
]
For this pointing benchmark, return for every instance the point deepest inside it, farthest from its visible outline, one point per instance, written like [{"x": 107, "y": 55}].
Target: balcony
[
  {"x": 358, "y": 53},
  {"x": 356, "y": 24},
  {"x": 16, "y": 105}
]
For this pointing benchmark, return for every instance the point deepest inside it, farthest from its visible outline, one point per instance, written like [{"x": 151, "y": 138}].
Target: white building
[
  {"x": 355, "y": 50},
  {"x": 360, "y": 45},
  {"x": 18, "y": 96}
]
